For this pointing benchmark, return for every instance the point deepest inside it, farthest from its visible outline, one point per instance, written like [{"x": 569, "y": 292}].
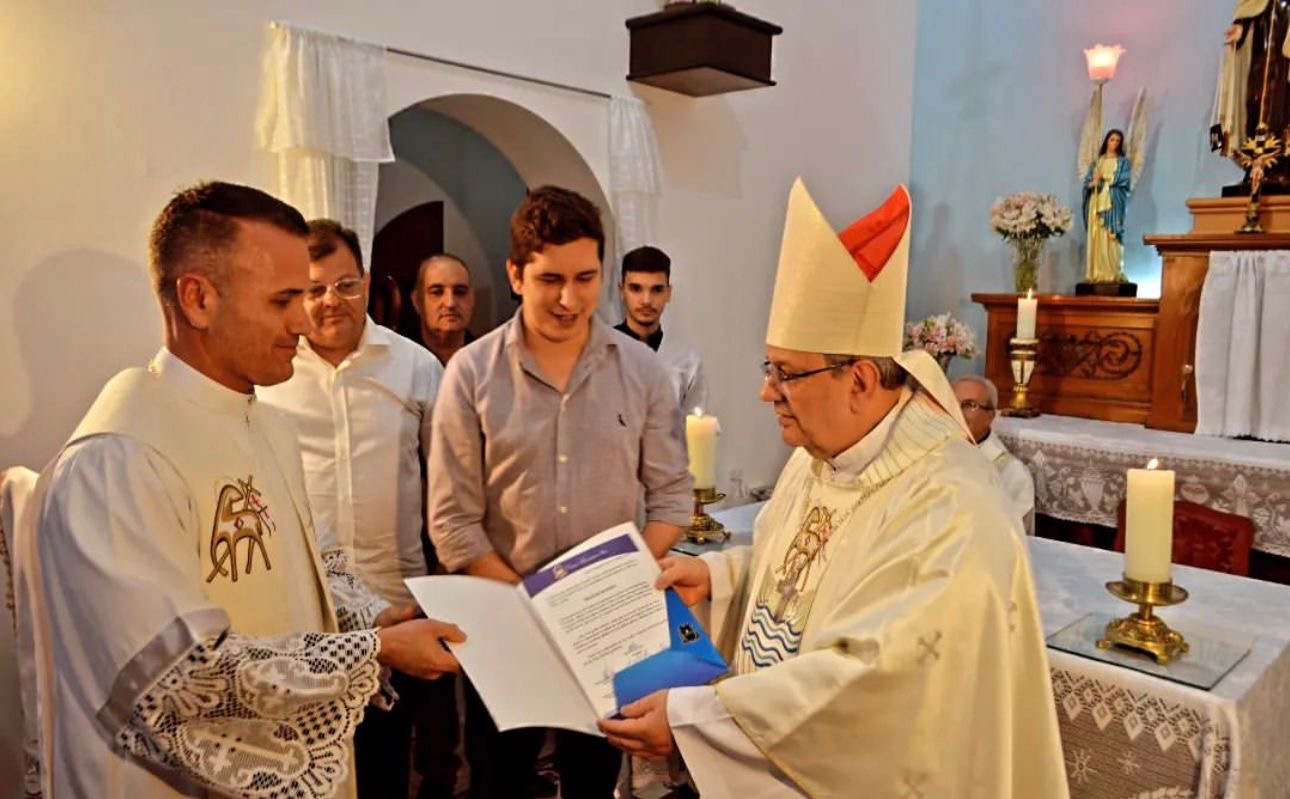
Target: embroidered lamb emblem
[{"x": 240, "y": 514}]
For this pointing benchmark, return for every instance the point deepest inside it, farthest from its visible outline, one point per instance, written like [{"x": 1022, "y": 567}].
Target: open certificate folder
[{"x": 577, "y": 640}]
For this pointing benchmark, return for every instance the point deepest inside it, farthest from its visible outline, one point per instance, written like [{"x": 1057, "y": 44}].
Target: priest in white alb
[
  {"x": 978, "y": 399},
  {"x": 882, "y": 630},
  {"x": 191, "y": 636}
]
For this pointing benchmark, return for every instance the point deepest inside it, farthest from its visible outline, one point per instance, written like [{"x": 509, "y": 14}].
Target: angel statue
[{"x": 1110, "y": 173}]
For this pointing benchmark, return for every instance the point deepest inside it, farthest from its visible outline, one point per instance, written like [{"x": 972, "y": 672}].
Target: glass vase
[{"x": 1026, "y": 256}]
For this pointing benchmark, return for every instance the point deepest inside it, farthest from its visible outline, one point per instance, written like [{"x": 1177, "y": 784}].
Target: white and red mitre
[{"x": 844, "y": 294}]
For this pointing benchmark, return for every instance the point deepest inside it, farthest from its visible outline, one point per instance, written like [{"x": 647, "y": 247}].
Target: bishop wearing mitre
[{"x": 882, "y": 628}]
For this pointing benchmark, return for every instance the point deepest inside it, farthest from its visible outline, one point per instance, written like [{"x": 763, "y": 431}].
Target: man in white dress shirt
[
  {"x": 979, "y": 399},
  {"x": 361, "y": 397},
  {"x": 646, "y": 289}
]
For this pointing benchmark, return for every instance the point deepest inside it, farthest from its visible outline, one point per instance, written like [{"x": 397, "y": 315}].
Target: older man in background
[
  {"x": 979, "y": 400},
  {"x": 444, "y": 298}
]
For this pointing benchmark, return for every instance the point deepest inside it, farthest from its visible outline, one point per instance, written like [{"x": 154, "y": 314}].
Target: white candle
[
  {"x": 1149, "y": 525},
  {"x": 1027, "y": 307},
  {"x": 701, "y": 440}
]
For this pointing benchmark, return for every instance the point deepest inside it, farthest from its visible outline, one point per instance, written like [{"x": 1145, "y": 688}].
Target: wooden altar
[{"x": 1095, "y": 354}]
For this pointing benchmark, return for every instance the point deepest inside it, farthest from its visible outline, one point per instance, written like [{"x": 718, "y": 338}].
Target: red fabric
[
  {"x": 1205, "y": 538},
  {"x": 872, "y": 238}
]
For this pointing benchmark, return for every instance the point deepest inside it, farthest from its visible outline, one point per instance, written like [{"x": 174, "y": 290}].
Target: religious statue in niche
[
  {"x": 1109, "y": 172},
  {"x": 1251, "y": 119}
]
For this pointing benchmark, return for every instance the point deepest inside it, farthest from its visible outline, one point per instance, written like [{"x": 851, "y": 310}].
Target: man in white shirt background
[
  {"x": 979, "y": 399},
  {"x": 361, "y": 397},
  {"x": 646, "y": 289}
]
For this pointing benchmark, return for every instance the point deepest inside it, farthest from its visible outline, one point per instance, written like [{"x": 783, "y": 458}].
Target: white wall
[{"x": 106, "y": 108}]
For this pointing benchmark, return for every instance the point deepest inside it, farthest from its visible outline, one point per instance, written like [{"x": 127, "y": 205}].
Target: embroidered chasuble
[
  {"x": 883, "y": 630},
  {"x": 186, "y": 639}
]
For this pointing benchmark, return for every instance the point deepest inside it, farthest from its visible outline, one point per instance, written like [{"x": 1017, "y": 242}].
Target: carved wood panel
[{"x": 1095, "y": 354}]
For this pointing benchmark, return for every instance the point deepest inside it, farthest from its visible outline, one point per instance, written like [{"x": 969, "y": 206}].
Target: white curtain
[
  {"x": 635, "y": 182},
  {"x": 324, "y": 118},
  {"x": 1243, "y": 346}
]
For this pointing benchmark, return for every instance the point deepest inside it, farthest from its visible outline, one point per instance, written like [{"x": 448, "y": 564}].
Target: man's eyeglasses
[
  {"x": 347, "y": 288},
  {"x": 973, "y": 405},
  {"x": 778, "y": 376}
]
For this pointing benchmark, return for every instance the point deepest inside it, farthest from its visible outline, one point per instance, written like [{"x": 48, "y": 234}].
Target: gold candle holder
[
  {"x": 1144, "y": 630},
  {"x": 1023, "y": 351},
  {"x": 704, "y": 528}
]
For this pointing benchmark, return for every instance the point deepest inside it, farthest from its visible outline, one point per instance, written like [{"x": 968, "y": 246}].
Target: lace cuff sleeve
[
  {"x": 356, "y": 606},
  {"x": 259, "y": 716}
]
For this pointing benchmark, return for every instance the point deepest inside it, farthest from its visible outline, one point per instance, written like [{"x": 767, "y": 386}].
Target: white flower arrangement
[
  {"x": 943, "y": 336},
  {"x": 1030, "y": 215}
]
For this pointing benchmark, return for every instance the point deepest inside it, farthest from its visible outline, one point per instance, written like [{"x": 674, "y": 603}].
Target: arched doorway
[{"x": 476, "y": 154}]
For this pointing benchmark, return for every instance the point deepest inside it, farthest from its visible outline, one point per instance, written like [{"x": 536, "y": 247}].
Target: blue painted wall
[{"x": 1000, "y": 95}]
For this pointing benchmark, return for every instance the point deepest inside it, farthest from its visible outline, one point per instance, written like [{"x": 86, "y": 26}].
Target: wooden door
[{"x": 397, "y": 252}]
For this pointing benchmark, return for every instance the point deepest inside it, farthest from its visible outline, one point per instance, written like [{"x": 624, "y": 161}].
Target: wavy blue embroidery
[{"x": 767, "y": 641}]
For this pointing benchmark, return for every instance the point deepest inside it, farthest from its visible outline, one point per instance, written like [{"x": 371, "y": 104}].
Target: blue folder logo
[{"x": 691, "y": 659}]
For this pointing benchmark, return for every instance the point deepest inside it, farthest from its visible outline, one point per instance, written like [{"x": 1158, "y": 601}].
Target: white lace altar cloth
[
  {"x": 1079, "y": 467},
  {"x": 1129, "y": 735}
]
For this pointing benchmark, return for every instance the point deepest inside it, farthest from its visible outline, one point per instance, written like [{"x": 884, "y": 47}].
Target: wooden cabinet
[{"x": 1095, "y": 357}]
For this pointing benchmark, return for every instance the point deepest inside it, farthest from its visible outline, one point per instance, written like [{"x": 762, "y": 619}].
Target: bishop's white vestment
[
  {"x": 185, "y": 635},
  {"x": 883, "y": 633}
]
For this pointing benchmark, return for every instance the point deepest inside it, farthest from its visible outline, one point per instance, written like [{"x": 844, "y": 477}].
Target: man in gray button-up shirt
[{"x": 545, "y": 433}]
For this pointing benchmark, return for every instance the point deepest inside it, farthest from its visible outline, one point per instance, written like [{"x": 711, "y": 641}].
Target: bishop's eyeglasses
[{"x": 776, "y": 375}]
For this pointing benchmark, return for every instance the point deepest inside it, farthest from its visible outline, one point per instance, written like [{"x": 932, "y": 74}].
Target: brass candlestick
[
  {"x": 1023, "y": 351},
  {"x": 1143, "y": 630},
  {"x": 704, "y": 528}
]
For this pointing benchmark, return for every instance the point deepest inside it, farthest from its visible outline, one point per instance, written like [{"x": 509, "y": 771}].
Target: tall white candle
[
  {"x": 1027, "y": 308},
  {"x": 1149, "y": 525},
  {"x": 701, "y": 440}
]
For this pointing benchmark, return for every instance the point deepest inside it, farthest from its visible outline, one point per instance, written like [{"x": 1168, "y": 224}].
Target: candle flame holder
[
  {"x": 1144, "y": 631},
  {"x": 703, "y": 528},
  {"x": 1023, "y": 352}
]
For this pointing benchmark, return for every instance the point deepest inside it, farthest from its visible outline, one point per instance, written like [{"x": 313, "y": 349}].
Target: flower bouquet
[
  {"x": 943, "y": 336},
  {"x": 1026, "y": 220}
]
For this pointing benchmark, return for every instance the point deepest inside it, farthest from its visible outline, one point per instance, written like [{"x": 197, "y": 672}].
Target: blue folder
[{"x": 691, "y": 659}]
